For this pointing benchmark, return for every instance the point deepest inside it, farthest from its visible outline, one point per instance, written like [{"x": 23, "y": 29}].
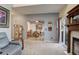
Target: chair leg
[{"x": 22, "y": 44}]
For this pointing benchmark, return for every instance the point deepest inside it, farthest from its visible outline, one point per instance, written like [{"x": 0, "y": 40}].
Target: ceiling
[
  {"x": 38, "y": 8},
  {"x": 21, "y": 5}
]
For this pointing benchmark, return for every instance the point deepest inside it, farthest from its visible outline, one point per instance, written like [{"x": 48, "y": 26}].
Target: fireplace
[{"x": 75, "y": 46}]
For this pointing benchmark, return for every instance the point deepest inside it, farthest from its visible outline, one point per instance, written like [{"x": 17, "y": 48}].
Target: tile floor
[{"x": 34, "y": 47}]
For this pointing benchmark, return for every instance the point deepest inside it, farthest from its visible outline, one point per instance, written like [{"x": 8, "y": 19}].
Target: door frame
[{"x": 62, "y": 28}]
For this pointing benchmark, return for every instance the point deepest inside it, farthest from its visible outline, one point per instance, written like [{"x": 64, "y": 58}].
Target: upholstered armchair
[{"x": 7, "y": 47}]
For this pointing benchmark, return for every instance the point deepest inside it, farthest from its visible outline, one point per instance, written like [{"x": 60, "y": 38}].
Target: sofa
[{"x": 9, "y": 47}]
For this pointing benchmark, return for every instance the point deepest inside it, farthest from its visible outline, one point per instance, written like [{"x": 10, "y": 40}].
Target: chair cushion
[
  {"x": 3, "y": 40},
  {"x": 11, "y": 49}
]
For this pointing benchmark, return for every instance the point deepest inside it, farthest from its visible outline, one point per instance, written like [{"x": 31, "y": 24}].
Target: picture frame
[
  {"x": 50, "y": 26},
  {"x": 4, "y": 17}
]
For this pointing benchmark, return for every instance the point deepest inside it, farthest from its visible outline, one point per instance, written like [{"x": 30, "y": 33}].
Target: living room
[{"x": 17, "y": 28}]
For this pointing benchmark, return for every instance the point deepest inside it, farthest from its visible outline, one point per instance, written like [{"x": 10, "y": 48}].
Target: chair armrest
[
  {"x": 15, "y": 42},
  {"x": 0, "y": 52},
  {"x": 0, "y": 49}
]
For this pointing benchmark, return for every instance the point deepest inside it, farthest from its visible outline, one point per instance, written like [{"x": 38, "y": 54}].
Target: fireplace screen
[{"x": 75, "y": 46}]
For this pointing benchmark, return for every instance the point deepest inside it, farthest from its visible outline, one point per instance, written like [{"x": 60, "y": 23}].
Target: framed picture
[
  {"x": 50, "y": 26},
  {"x": 4, "y": 17}
]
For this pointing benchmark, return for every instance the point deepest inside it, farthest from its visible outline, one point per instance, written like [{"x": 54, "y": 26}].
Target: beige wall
[
  {"x": 18, "y": 19},
  {"x": 64, "y": 11}
]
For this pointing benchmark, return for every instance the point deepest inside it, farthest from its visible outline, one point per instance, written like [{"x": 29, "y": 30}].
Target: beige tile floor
[{"x": 35, "y": 47}]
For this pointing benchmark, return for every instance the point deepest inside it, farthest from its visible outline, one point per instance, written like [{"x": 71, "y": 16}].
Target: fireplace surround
[
  {"x": 72, "y": 26},
  {"x": 75, "y": 46}
]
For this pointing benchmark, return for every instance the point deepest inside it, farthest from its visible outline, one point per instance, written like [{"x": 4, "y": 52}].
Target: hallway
[{"x": 42, "y": 48}]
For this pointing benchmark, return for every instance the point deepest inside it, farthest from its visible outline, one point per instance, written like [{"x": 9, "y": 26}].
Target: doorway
[
  {"x": 63, "y": 32},
  {"x": 35, "y": 30}
]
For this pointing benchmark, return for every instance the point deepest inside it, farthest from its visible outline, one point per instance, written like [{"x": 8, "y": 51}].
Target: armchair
[{"x": 7, "y": 47}]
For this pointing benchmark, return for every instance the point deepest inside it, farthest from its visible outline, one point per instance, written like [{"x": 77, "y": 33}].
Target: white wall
[
  {"x": 47, "y": 17},
  {"x": 7, "y": 30},
  {"x": 19, "y": 19}
]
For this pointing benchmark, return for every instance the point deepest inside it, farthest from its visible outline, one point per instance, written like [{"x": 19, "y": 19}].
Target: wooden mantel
[
  {"x": 72, "y": 13},
  {"x": 72, "y": 26}
]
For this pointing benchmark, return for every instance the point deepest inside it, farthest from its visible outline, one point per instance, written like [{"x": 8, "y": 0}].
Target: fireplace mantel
[
  {"x": 72, "y": 26},
  {"x": 71, "y": 14}
]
